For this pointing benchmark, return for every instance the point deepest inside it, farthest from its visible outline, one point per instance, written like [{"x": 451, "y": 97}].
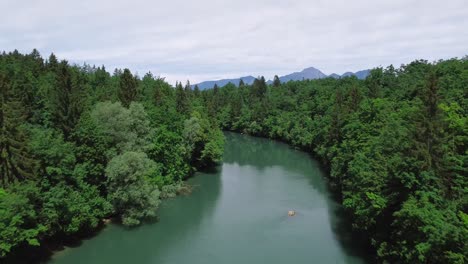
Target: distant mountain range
[
  {"x": 221, "y": 83},
  {"x": 359, "y": 74},
  {"x": 306, "y": 74}
]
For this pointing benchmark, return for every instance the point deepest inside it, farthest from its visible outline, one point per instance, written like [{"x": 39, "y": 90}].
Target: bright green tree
[{"x": 131, "y": 192}]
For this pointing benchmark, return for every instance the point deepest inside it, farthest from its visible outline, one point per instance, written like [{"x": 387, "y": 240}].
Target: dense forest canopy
[
  {"x": 395, "y": 145},
  {"x": 79, "y": 145}
]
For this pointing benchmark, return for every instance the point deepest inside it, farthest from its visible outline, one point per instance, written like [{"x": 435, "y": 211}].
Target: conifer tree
[
  {"x": 67, "y": 98},
  {"x": 216, "y": 99},
  {"x": 15, "y": 161},
  {"x": 52, "y": 62},
  {"x": 188, "y": 90},
  {"x": 158, "y": 95},
  {"x": 276, "y": 81},
  {"x": 182, "y": 101},
  {"x": 196, "y": 91},
  {"x": 259, "y": 87},
  {"x": 127, "y": 88}
]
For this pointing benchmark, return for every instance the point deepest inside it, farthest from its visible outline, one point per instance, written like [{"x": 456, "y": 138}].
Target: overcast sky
[{"x": 207, "y": 39}]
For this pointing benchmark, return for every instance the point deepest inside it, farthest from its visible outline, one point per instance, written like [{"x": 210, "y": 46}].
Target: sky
[{"x": 209, "y": 40}]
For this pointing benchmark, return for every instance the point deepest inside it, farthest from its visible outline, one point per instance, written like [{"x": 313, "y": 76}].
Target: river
[{"x": 238, "y": 213}]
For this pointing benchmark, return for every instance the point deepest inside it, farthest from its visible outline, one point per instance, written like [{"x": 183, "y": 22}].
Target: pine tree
[
  {"x": 67, "y": 98},
  {"x": 128, "y": 88},
  {"x": 188, "y": 87},
  {"x": 52, "y": 62},
  {"x": 36, "y": 62},
  {"x": 182, "y": 101},
  {"x": 15, "y": 160},
  {"x": 216, "y": 98},
  {"x": 196, "y": 91},
  {"x": 259, "y": 87},
  {"x": 354, "y": 98},
  {"x": 429, "y": 128},
  {"x": 188, "y": 90},
  {"x": 158, "y": 95},
  {"x": 241, "y": 83},
  {"x": 276, "y": 81}
]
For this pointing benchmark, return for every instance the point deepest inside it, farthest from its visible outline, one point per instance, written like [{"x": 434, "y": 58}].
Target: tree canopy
[
  {"x": 395, "y": 146},
  {"x": 79, "y": 145}
]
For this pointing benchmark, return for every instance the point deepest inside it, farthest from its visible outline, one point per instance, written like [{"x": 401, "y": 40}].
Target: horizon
[
  {"x": 269, "y": 78},
  {"x": 188, "y": 41}
]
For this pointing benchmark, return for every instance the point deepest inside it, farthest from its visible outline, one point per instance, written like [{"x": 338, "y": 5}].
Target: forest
[
  {"x": 395, "y": 146},
  {"x": 80, "y": 145}
]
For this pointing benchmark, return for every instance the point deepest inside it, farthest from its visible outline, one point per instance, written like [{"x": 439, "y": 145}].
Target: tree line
[
  {"x": 395, "y": 145},
  {"x": 79, "y": 145}
]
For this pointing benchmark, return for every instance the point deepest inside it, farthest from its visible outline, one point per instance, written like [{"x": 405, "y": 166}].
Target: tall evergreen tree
[
  {"x": 52, "y": 62},
  {"x": 259, "y": 87},
  {"x": 67, "y": 98},
  {"x": 276, "y": 81},
  {"x": 182, "y": 100},
  {"x": 196, "y": 91},
  {"x": 429, "y": 127},
  {"x": 128, "y": 88},
  {"x": 15, "y": 161},
  {"x": 188, "y": 90}
]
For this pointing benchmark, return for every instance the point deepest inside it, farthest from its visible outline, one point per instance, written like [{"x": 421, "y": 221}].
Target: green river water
[{"x": 236, "y": 214}]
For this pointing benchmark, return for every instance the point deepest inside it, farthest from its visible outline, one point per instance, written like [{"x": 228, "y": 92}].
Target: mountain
[
  {"x": 362, "y": 74},
  {"x": 359, "y": 74},
  {"x": 306, "y": 74},
  {"x": 347, "y": 74},
  {"x": 209, "y": 84},
  {"x": 310, "y": 73}
]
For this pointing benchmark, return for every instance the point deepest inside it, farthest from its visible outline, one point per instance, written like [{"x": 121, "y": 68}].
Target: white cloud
[{"x": 208, "y": 39}]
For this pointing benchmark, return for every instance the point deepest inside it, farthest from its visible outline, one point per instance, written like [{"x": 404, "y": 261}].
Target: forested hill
[
  {"x": 395, "y": 145},
  {"x": 79, "y": 145}
]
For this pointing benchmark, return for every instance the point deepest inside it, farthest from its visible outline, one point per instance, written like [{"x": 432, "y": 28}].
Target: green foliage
[
  {"x": 168, "y": 148},
  {"x": 18, "y": 219},
  {"x": 130, "y": 192},
  {"x": 79, "y": 145},
  {"x": 56, "y": 156},
  {"x": 66, "y": 104},
  {"x": 127, "y": 88},
  {"x": 68, "y": 210},
  {"x": 276, "y": 81},
  {"x": 395, "y": 145},
  {"x": 204, "y": 143},
  {"x": 127, "y": 128},
  {"x": 182, "y": 100},
  {"x": 15, "y": 158}
]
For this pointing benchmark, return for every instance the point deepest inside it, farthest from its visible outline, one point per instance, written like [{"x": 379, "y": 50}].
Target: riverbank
[
  {"x": 245, "y": 199},
  {"x": 54, "y": 245}
]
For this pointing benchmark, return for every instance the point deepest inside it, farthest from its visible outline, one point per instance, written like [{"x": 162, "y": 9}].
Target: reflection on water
[{"x": 263, "y": 153}]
